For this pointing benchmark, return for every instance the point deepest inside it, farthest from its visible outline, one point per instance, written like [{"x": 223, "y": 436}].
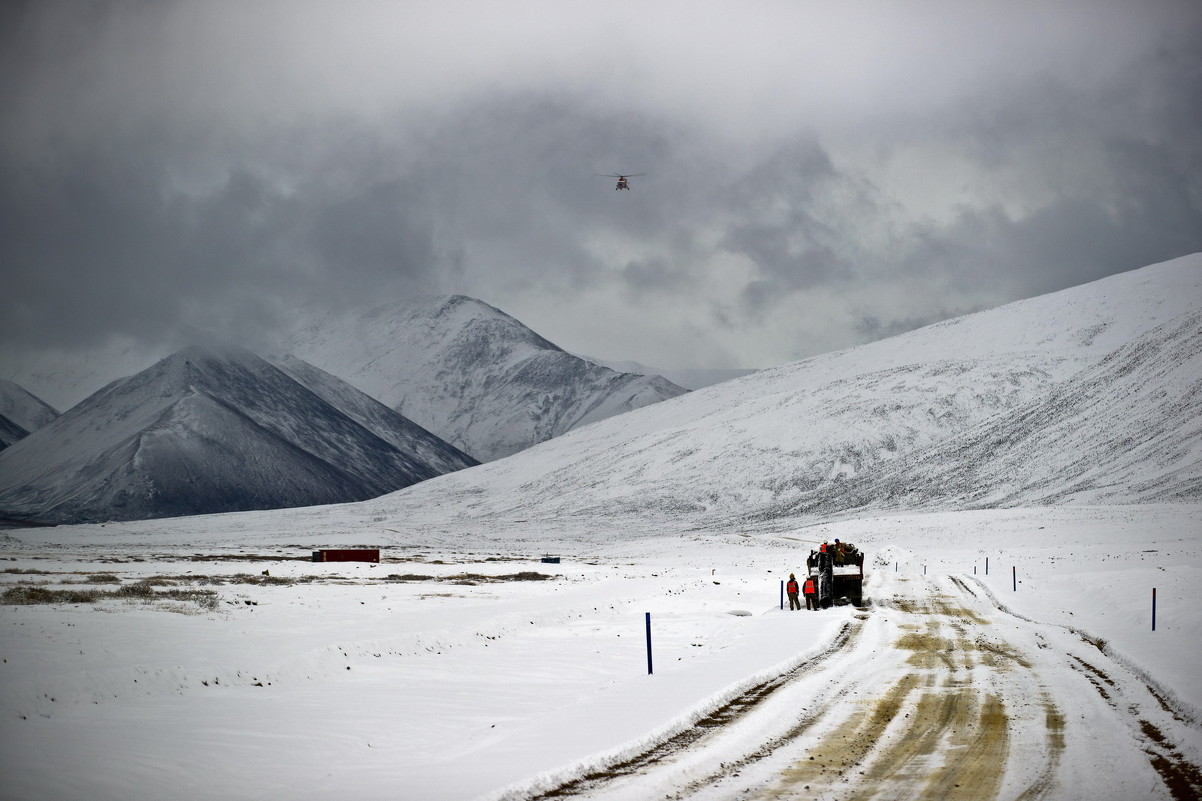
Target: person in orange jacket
[
  {"x": 811, "y": 593},
  {"x": 791, "y": 588}
]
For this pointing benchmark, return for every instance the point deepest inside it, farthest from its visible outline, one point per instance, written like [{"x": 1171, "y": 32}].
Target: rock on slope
[
  {"x": 472, "y": 374},
  {"x": 206, "y": 431}
]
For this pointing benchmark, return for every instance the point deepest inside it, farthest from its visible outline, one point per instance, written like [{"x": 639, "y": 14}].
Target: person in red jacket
[
  {"x": 811, "y": 593},
  {"x": 791, "y": 588}
]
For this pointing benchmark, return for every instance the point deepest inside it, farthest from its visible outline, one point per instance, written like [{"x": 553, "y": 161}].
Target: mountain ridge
[
  {"x": 21, "y": 412},
  {"x": 1087, "y": 395},
  {"x": 839, "y": 433},
  {"x": 471, "y": 373},
  {"x": 206, "y": 430}
]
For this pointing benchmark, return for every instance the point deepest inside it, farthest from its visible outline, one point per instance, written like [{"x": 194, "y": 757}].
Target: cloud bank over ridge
[{"x": 819, "y": 176}]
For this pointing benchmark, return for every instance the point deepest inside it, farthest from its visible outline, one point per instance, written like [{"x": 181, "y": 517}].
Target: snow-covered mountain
[
  {"x": 62, "y": 377},
  {"x": 1088, "y": 395},
  {"x": 388, "y": 425},
  {"x": 472, "y": 374},
  {"x": 21, "y": 412},
  {"x": 1127, "y": 429},
  {"x": 10, "y": 432},
  {"x": 212, "y": 431},
  {"x": 1092, "y": 394}
]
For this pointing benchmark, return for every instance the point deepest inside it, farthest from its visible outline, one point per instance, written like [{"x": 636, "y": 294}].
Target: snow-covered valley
[{"x": 452, "y": 673}]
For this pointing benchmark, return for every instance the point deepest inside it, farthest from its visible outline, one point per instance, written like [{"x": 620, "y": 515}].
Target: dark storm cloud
[
  {"x": 819, "y": 174},
  {"x": 102, "y": 243},
  {"x": 783, "y": 225},
  {"x": 651, "y": 275},
  {"x": 1106, "y": 191}
]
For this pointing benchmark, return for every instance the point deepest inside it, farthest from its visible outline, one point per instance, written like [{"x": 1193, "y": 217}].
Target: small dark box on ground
[{"x": 347, "y": 555}]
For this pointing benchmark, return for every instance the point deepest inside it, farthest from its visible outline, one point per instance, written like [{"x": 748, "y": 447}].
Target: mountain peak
[
  {"x": 1088, "y": 395},
  {"x": 23, "y": 409},
  {"x": 472, "y": 374},
  {"x": 213, "y": 429}
]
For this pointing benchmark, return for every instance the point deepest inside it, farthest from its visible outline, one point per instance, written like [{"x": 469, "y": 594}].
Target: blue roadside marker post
[
  {"x": 782, "y": 595},
  {"x": 649, "y": 671},
  {"x": 1153, "y": 609},
  {"x": 1014, "y": 577}
]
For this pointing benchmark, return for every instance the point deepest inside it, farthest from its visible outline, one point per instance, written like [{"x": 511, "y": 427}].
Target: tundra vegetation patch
[{"x": 30, "y": 594}]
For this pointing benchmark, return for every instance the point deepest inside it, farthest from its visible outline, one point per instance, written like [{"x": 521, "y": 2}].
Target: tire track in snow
[
  {"x": 1180, "y": 776},
  {"x": 938, "y": 714},
  {"x": 1158, "y": 726},
  {"x": 941, "y": 727},
  {"x": 965, "y": 701},
  {"x": 713, "y": 724}
]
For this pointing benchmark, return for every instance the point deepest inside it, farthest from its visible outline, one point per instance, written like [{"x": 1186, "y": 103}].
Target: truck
[{"x": 838, "y": 575}]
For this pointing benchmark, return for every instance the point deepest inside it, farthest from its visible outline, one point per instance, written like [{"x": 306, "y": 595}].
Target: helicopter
[{"x": 623, "y": 180}]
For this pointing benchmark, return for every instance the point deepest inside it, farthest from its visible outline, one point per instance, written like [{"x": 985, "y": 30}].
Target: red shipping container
[{"x": 347, "y": 555}]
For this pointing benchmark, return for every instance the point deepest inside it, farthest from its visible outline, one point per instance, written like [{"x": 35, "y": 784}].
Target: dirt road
[{"x": 933, "y": 691}]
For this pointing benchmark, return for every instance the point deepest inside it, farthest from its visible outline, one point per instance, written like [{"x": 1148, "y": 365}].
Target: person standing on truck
[
  {"x": 791, "y": 588},
  {"x": 840, "y": 553},
  {"x": 811, "y": 593}
]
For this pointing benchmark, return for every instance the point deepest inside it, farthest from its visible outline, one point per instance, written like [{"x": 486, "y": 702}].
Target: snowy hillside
[
  {"x": 203, "y": 431},
  {"x": 1082, "y": 396},
  {"x": 1127, "y": 429},
  {"x": 10, "y": 432},
  {"x": 1089, "y": 394},
  {"x": 24, "y": 408},
  {"x": 689, "y": 378},
  {"x": 21, "y": 412},
  {"x": 472, "y": 374},
  {"x": 377, "y": 418},
  {"x": 64, "y": 377}
]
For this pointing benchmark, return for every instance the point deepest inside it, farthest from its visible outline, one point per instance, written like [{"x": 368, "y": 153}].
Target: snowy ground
[{"x": 343, "y": 680}]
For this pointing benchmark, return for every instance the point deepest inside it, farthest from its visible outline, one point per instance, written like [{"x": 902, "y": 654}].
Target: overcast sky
[{"x": 820, "y": 174}]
